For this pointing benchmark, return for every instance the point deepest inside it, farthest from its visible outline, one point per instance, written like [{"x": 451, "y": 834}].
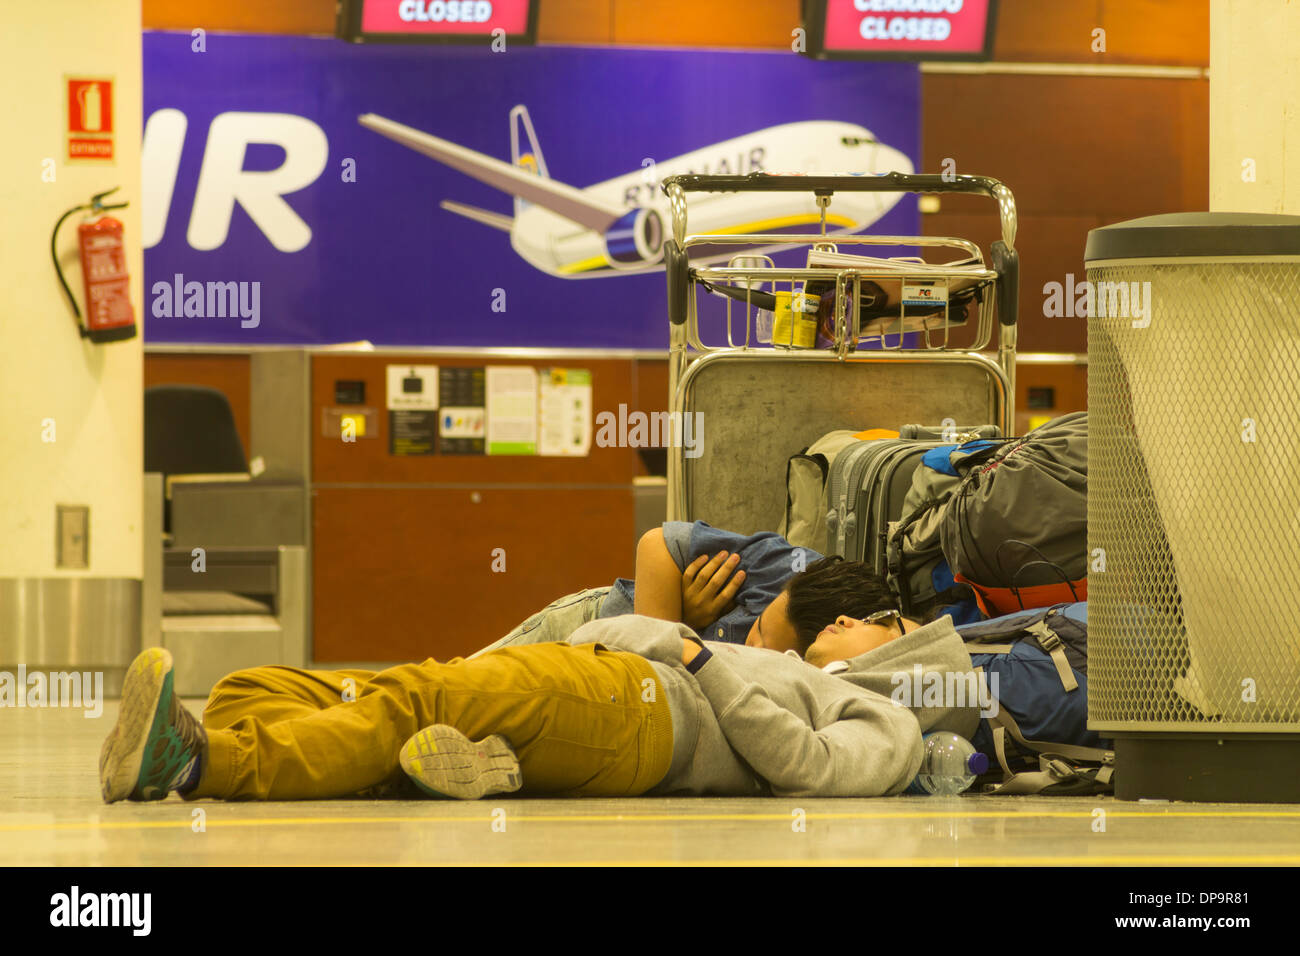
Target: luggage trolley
[{"x": 758, "y": 403}]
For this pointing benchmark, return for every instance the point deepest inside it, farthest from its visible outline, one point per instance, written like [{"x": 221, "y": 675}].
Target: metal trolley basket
[{"x": 759, "y": 403}]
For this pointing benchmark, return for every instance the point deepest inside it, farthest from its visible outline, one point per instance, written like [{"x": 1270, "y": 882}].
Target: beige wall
[
  {"x": 1255, "y": 105},
  {"x": 92, "y": 392}
]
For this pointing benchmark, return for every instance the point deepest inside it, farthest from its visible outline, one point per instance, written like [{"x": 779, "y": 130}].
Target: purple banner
[{"x": 309, "y": 191}]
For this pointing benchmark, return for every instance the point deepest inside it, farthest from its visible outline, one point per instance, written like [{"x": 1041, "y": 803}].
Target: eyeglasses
[{"x": 888, "y": 614}]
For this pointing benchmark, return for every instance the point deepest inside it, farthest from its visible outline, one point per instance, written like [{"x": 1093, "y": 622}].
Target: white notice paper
[
  {"x": 565, "y": 411},
  {"x": 511, "y": 410}
]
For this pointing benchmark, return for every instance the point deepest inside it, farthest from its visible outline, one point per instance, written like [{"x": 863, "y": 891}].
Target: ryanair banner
[{"x": 308, "y": 191}]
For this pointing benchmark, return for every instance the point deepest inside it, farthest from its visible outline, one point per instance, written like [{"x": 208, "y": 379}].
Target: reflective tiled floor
[{"x": 51, "y": 814}]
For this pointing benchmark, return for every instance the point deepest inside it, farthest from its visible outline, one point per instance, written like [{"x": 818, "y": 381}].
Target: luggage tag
[{"x": 925, "y": 298}]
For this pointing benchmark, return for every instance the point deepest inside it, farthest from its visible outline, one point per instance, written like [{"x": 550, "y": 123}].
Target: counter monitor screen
[
  {"x": 437, "y": 21},
  {"x": 900, "y": 29}
]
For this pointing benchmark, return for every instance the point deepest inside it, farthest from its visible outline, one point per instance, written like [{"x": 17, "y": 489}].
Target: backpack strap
[
  {"x": 1057, "y": 763},
  {"x": 976, "y": 647},
  {"x": 1003, "y": 720},
  {"x": 1054, "y": 772},
  {"x": 897, "y": 571},
  {"x": 1049, "y": 642}
]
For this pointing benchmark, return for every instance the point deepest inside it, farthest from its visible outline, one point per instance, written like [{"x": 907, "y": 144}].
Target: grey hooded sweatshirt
[{"x": 756, "y": 722}]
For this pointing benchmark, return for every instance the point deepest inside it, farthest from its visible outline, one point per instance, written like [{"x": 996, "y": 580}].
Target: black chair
[
  {"x": 249, "y": 606},
  {"x": 190, "y": 430}
]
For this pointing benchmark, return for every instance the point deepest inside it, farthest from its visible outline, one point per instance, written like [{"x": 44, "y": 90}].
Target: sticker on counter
[
  {"x": 565, "y": 412},
  {"x": 412, "y": 387},
  {"x": 412, "y": 432},
  {"x": 349, "y": 423},
  {"x": 462, "y": 421}
]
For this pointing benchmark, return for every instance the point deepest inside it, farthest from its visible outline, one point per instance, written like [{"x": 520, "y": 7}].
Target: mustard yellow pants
[{"x": 583, "y": 721}]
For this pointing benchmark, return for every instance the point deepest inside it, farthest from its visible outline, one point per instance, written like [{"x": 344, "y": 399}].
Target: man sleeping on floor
[
  {"x": 628, "y": 706},
  {"x": 754, "y": 589}
]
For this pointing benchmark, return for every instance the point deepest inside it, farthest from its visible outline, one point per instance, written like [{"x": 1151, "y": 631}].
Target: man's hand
[
  {"x": 707, "y": 594},
  {"x": 689, "y": 650}
]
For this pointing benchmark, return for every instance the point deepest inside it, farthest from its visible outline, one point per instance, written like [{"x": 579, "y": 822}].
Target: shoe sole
[
  {"x": 444, "y": 763},
  {"x": 123, "y": 753}
]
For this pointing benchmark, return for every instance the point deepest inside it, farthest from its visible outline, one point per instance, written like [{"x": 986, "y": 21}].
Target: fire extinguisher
[{"x": 109, "y": 316}]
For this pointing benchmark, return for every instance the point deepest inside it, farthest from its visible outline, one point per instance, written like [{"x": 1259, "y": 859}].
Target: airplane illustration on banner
[{"x": 618, "y": 226}]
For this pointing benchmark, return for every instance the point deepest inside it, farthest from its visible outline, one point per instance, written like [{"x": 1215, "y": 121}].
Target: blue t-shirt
[{"x": 767, "y": 559}]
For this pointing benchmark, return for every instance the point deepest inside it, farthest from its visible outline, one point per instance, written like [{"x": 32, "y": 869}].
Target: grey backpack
[{"x": 1016, "y": 528}]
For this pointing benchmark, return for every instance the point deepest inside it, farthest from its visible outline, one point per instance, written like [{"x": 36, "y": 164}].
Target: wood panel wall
[
  {"x": 404, "y": 546},
  {"x": 1168, "y": 32},
  {"x": 406, "y": 573},
  {"x": 1069, "y": 386},
  {"x": 1078, "y": 152}
]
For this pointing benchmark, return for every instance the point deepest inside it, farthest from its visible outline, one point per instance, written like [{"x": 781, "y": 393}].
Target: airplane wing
[
  {"x": 562, "y": 199},
  {"x": 494, "y": 219}
]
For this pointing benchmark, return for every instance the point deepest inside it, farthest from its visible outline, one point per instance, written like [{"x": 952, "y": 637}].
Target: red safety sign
[{"x": 90, "y": 118}]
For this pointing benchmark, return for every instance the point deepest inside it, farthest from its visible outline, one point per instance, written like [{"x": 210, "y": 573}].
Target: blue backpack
[{"x": 1034, "y": 664}]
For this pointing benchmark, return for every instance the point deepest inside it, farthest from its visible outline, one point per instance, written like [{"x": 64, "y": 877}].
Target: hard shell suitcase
[
  {"x": 854, "y": 489},
  {"x": 882, "y": 501}
]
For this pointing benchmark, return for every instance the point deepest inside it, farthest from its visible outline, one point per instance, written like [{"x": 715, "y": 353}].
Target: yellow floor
[{"x": 51, "y": 814}]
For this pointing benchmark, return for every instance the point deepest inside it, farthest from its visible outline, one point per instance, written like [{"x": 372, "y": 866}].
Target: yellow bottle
[{"x": 793, "y": 327}]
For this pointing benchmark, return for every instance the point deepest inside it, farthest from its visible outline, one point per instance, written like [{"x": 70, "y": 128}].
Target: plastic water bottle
[{"x": 949, "y": 767}]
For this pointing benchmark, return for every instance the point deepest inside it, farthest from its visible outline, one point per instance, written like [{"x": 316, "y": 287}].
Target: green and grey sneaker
[
  {"x": 445, "y": 763},
  {"x": 153, "y": 748}
]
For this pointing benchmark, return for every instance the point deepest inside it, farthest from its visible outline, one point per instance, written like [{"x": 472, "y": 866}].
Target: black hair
[{"x": 831, "y": 587}]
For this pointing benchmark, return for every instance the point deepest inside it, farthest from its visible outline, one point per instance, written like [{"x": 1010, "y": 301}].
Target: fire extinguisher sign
[{"x": 89, "y": 127}]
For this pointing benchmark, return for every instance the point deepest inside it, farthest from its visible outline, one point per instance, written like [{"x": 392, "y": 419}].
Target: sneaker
[
  {"x": 445, "y": 763},
  {"x": 153, "y": 748}
]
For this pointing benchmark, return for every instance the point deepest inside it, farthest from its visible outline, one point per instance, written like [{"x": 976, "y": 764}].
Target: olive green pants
[{"x": 583, "y": 721}]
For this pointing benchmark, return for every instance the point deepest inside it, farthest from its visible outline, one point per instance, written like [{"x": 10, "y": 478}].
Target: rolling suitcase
[{"x": 867, "y": 485}]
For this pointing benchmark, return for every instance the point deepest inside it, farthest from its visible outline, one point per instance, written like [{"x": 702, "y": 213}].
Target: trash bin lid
[{"x": 1196, "y": 234}]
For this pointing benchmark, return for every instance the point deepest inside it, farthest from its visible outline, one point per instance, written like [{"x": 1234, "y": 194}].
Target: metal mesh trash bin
[{"x": 1194, "y": 504}]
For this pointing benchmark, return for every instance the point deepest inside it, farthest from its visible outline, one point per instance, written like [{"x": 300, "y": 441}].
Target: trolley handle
[
  {"x": 883, "y": 183},
  {"x": 829, "y": 185},
  {"x": 1006, "y": 261}
]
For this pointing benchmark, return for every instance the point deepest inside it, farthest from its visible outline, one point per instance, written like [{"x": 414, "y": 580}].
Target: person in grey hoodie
[
  {"x": 750, "y": 721},
  {"x": 628, "y": 706}
]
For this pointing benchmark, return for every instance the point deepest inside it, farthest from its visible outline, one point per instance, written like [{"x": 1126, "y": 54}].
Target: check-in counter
[
  {"x": 415, "y": 555},
  {"x": 220, "y": 608}
]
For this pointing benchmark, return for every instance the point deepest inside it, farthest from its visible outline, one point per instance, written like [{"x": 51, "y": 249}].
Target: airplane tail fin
[{"x": 526, "y": 155}]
